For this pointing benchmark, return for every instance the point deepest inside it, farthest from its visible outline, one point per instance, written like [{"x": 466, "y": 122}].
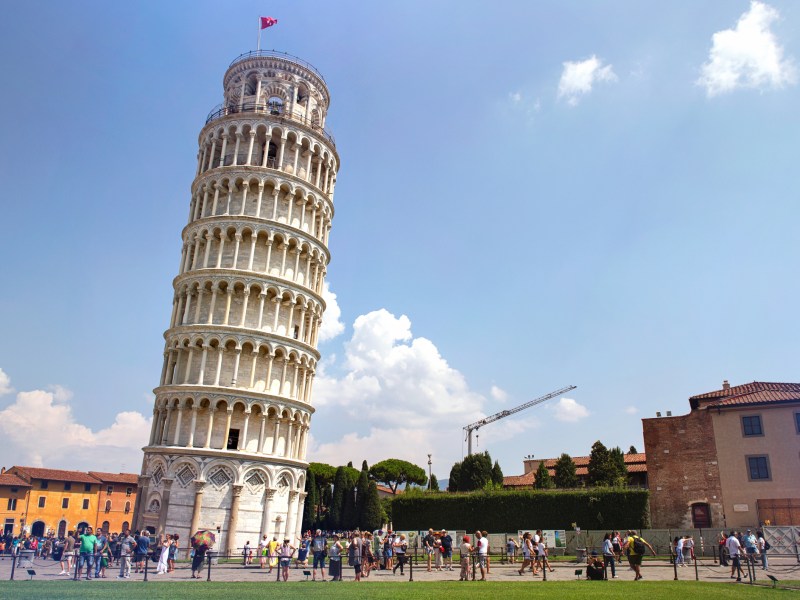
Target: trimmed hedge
[{"x": 597, "y": 508}]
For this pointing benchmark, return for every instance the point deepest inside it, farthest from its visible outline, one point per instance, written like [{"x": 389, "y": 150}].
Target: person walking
[
  {"x": 734, "y": 548},
  {"x": 197, "y": 561},
  {"x": 483, "y": 553},
  {"x": 126, "y": 545},
  {"x": 399, "y": 548},
  {"x": 67, "y": 554},
  {"x": 527, "y": 552},
  {"x": 163, "y": 556},
  {"x": 447, "y": 550},
  {"x": 428, "y": 547},
  {"x": 608, "y": 556},
  {"x": 285, "y": 553},
  {"x": 335, "y": 555},
  {"x": 88, "y": 547},
  {"x": 636, "y": 546}
]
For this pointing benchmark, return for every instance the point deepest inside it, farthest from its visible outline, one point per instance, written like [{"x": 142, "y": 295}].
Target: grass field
[{"x": 197, "y": 590}]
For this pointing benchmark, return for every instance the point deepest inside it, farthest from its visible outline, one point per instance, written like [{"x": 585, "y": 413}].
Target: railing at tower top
[
  {"x": 269, "y": 109},
  {"x": 277, "y": 54}
]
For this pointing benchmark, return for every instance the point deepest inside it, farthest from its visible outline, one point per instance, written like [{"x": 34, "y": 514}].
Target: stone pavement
[{"x": 784, "y": 569}]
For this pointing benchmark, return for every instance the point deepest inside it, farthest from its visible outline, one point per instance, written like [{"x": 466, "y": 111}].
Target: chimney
[
  {"x": 2, "y": 470},
  {"x": 726, "y": 385}
]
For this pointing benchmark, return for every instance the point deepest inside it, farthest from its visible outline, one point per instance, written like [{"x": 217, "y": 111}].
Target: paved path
[{"x": 782, "y": 568}]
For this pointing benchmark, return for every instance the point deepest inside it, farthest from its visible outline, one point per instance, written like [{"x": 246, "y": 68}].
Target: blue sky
[{"x": 532, "y": 195}]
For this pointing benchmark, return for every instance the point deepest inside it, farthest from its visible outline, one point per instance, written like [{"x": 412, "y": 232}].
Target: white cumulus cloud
[
  {"x": 5, "y": 384},
  {"x": 392, "y": 395},
  {"x": 569, "y": 411},
  {"x": 39, "y": 429},
  {"x": 577, "y": 78},
  {"x": 331, "y": 323},
  {"x": 631, "y": 410},
  {"x": 498, "y": 394},
  {"x": 747, "y": 56}
]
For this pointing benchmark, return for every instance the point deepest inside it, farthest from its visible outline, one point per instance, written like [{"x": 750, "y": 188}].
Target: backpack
[
  {"x": 638, "y": 545},
  {"x": 766, "y": 545}
]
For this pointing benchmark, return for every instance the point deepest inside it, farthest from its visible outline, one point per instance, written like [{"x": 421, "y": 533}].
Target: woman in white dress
[{"x": 163, "y": 563}]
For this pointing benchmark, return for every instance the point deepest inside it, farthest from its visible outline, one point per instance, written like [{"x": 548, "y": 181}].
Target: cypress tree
[
  {"x": 602, "y": 471},
  {"x": 336, "y": 506},
  {"x": 361, "y": 495},
  {"x": 372, "y": 513},
  {"x": 349, "y": 510},
  {"x": 434, "y": 483},
  {"x": 455, "y": 478},
  {"x": 310, "y": 503},
  {"x": 497, "y": 474}
]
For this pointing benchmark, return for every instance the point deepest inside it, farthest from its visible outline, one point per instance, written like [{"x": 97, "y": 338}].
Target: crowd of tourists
[{"x": 736, "y": 548}]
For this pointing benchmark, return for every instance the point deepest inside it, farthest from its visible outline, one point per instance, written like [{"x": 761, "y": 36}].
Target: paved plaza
[{"x": 784, "y": 569}]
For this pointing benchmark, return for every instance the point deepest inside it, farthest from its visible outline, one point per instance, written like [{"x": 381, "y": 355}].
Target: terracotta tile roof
[
  {"x": 53, "y": 474},
  {"x": 12, "y": 480},
  {"x": 757, "y": 392},
  {"x": 128, "y": 478},
  {"x": 636, "y": 463}
]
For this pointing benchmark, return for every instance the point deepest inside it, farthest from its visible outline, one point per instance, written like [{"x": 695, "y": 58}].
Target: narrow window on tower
[{"x": 233, "y": 440}]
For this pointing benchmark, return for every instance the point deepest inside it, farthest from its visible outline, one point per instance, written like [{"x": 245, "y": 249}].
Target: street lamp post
[{"x": 429, "y": 472}]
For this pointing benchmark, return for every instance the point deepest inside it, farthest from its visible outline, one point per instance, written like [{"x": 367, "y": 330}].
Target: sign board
[{"x": 741, "y": 508}]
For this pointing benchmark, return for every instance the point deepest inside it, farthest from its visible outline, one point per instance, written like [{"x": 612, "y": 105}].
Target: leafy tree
[
  {"x": 602, "y": 469},
  {"x": 455, "y": 478},
  {"x": 543, "y": 480},
  {"x": 617, "y": 459},
  {"x": 394, "y": 472},
  {"x": 434, "y": 483},
  {"x": 565, "y": 472},
  {"x": 476, "y": 472},
  {"x": 372, "y": 511},
  {"x": 324, "y": 475},
  {"x": 497, "y": 474},
  {"x": 633, "y": 450},
  {"x": 310, "y": 503}
]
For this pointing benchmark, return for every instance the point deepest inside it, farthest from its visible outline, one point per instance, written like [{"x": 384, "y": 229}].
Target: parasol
[{"x": 203, "y": 539}]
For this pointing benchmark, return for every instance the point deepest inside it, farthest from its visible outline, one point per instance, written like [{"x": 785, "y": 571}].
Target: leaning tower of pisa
[{"x": 227, "y": 447}]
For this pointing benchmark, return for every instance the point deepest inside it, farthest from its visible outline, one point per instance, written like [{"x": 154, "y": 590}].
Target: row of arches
[
  {"x": 258, "y": 144},
  {"x": 245, "y": 248},
  {"x": 263, "y": 198},
  {"x": 231, "y": 425},
  {"x": 226, "y": 362},
  {"x": 235, "y": 303}
]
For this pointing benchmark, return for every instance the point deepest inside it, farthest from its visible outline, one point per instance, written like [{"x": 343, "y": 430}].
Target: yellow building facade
[{"x": 57, "y": 501}]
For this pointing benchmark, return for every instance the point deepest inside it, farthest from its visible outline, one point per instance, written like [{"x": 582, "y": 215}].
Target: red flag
[{"x": 268, "y": 22}]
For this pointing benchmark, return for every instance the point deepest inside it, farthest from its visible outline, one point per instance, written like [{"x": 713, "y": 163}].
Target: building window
[
  {"x": 127, "y": 507},
  {"x": 12, "y": 504},
  {"x": 108, "y": 505},
  {"x": 758, "y": 468},
  {"x": 67, "y": 486},
  {"x": 87, "y": 487},
  {"x": 128, "y": 491},
  {"x": 65, "y": 503},
  {"x": 109, "y": 489},
  {"x": 44, "y": 484},
  {"x": 752, "y": 425},
  {"x": 42, "y": 500},
  {"x": 233, "y": 440},
  {"x": 85, "y": 504},
  {"x": 797, "y": 421}
]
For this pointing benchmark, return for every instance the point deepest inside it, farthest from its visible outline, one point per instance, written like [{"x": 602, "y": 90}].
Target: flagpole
[{"x": 258, "y": 46}]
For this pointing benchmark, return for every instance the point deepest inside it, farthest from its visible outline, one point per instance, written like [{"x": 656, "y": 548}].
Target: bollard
[
  {"x": 13, "y": 565},
  {"x": 411, "y": 568},
  {"x": 208, "y": 557},
  {"x": 77, "y": 562},
  {"x": 146, "y": 564},
  {"x": 696, "y": 574},
  {"x": 472, "y": 556},
  {"x": 674, "y": 562}
]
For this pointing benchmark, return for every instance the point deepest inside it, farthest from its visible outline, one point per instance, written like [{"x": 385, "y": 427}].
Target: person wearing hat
[
  {"x": 594, "y": 568},
  {"x": 465, "y": 549},
  {"x": 285, "y": 557},
  {"x": 447, "y": 549}
]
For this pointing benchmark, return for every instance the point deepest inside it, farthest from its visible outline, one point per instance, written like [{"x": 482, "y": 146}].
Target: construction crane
[{"x": 507, "y": 413}]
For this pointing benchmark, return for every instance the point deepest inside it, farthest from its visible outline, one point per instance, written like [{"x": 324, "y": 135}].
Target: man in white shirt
[
  {"x": 734, "y": 547},
  {"x": 483, "y": 552}
]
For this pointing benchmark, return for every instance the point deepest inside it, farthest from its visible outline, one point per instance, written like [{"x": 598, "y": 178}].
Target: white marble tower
[{"x": 227, "y": 448}]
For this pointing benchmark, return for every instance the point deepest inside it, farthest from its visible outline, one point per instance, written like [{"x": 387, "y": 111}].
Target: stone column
[
  {"x": 229, "y": 414},
  {"x": 252, "y": 141},
  {"x": 291, "y": 514},
  {"x": 261, "y": 433},
  {"x": 162, "y": 515},
  {"x": 260, "y": 196},
  {"x": 143, "y": 489},
  {"x": 233, "y": 524},
  {"x": 153, "y": 427},
  {"x": 165, "y": 431},
  {"x": 276, "y": 435},
  {"x": 246, "y": 292},
  {"x": 203, "y": 359},
  {"x": 220, "y": 353},
  {"x": 199, "y": 487},
  {"x": 177, "y": 436},
  {"x": 222, "y": 152},
  {"x": 214, "y": 290},
  {"x": 243, "y": 437},
  {"x": 190, "y": 443},
  {"x": 211, "y": 411},
  {"x": 267, "y": 514},
  {"x": 299, "y": 519}
]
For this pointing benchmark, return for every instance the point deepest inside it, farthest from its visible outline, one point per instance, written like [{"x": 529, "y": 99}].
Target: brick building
[{"x": 732, "y": 461}]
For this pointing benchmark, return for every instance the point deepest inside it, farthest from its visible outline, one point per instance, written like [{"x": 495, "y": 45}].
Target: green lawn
[{"x": 655, "y": 590}]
